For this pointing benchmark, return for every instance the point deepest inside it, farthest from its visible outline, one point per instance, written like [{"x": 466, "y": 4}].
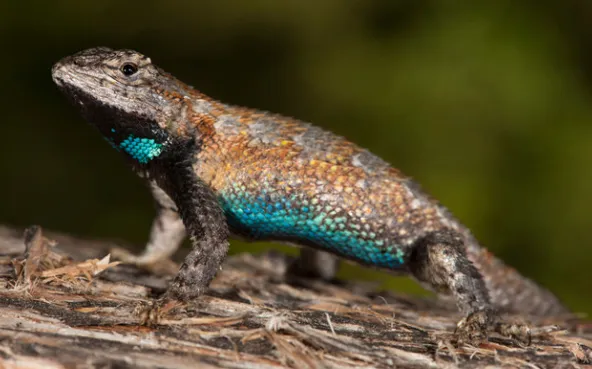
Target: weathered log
[{"x": 60, "y": 308}]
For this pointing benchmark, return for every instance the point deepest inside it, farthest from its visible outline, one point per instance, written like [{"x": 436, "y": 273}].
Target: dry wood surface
[{"x": 64, "y": 304}]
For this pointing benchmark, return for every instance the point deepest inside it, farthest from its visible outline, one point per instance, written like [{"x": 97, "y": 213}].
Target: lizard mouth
[
  {"x": 64, "y": 76},
  {"x": 59, "y": 73},
  {"x": 56, "y": 73}
]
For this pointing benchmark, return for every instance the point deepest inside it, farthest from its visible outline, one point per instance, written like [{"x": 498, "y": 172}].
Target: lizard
[{"x": 217, "y": 170}]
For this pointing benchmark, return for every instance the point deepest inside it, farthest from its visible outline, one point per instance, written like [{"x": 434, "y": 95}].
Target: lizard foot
[
  {"x": 151, "y": 313},
  {"x": 518, "y": 331},
  {"x": 161, "y": 267},
  {"x": 472, "y": 329}
]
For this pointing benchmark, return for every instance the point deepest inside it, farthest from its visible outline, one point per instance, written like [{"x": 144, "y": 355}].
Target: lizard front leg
[
  {"x": 166, "y": 235},
  {"x": 207, "y": 229}
]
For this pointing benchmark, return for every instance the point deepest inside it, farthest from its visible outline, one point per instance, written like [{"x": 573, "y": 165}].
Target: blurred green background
[{"x": 488, "y": 104}]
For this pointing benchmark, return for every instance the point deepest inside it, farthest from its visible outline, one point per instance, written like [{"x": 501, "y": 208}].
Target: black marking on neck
[
  {"x": 121, "y": 127},
  {"x": 107, "y": 118}
]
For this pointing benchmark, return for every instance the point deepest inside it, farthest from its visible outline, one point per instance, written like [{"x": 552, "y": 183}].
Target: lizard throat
[{"x": 138, "y": 136}]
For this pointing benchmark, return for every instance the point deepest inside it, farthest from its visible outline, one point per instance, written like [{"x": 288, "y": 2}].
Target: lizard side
[{"x": 217, "y": 169}]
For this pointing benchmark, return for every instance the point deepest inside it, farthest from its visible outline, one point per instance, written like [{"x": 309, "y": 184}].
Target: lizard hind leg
[
  {"x": 439, "y": 260},
  {"x": 315, "y": 264}
]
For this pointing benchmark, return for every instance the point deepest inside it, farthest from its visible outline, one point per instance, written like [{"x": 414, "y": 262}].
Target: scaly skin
[{"x": 231, "y": 170}]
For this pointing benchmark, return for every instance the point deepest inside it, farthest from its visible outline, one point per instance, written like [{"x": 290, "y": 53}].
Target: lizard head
[{"x": 124, "y": 95}]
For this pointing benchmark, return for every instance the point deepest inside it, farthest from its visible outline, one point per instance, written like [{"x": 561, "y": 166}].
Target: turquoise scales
[
  {"x": 289, "y": 217},
  {"x": 141, "y": 149},
  {"x": 293, "y": 217}
]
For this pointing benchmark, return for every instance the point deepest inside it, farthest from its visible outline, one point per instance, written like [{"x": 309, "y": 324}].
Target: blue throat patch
[{"x": 142, "y": 150}]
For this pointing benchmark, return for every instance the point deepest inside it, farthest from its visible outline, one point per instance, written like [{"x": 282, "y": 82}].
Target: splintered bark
[{"x": 64, "y": 304}]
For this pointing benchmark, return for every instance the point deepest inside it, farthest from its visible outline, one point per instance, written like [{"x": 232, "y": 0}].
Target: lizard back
[
  {"x": 287, "y": 180},
  {"x": 283, "y": 179}
]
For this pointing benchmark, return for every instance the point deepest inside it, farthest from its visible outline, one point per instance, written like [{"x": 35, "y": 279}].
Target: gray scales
[{"x": 217, "y": 170}]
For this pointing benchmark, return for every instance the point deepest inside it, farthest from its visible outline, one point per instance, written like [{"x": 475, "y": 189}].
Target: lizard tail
[{"x": 509, "y": 291}]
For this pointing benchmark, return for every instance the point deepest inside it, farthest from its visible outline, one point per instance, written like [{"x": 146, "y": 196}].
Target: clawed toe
[
  {"x": 517, "y": 331},
  {"x": 151, "y": 313},
  {"x": 148, "y": 313},
  {"x": 472, "y": 329}
]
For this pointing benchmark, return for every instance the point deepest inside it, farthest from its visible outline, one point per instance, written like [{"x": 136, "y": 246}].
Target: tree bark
[{"x": 67, "y": 307}]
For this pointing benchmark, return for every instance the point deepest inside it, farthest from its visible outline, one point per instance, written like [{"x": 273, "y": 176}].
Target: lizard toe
[
  {"x": 518, "y": 331},
  {"x": 472, "y": 329}
]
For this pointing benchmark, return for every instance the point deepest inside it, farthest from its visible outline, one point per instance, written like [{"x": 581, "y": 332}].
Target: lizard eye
[{"x": 128, "y": 69}]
